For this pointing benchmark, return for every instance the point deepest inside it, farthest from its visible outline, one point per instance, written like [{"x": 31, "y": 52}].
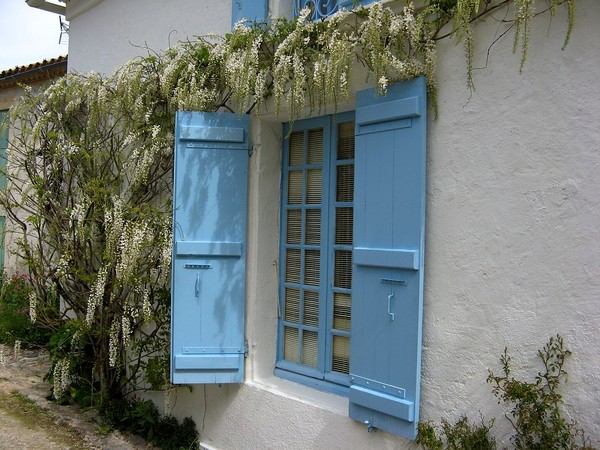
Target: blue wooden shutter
[
  {"x": 252, "y": 10},
  {"x": 387, "y": 290},
  {"x": 209, "y": 248}
]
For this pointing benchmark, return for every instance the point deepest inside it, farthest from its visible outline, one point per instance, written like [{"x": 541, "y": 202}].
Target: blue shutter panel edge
[
  {"x": 252, "y": 10},
  {"x": 209, "y": 245},
  {"x": 389, "y": 230}
]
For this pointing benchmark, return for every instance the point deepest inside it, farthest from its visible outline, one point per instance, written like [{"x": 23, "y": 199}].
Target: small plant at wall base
[
  {"x": 90, "y": 165},
  {"x": 536, "y": 411},
  {"x": 142, "y": 418}
]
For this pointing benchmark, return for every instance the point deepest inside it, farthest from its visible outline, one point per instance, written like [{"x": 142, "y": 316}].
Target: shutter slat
[
  {"x": 345, "y": 183},
  {"x": 341, "y": 354},
  {"x": 314, "y": 150},
  {"x": 342, "y": 271},
  {"x": 290, "y": 344},
  {"x": 346, "y": 140},
  {"x": 314, "y": 186},
  {"x": 296, "y": 149},
  {"x": 295, "y": 183},
  {"x": 312, "y": 267},
  {"x": 294, "y": 226},
  {"x": 310, "y": 315},
  {"x": 292, "y": 305},
  {"x": 341, "y": 311},
  {"x": 312, "y": 234},
  {"x": 344, "y": 223},
  {"x": 310, "y": 348},
  {"x": 292, "y": 265}
]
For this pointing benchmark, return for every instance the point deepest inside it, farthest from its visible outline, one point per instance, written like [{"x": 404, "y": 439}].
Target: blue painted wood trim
[
  {"x": 217, "y": 134},
  {"x": 208, "y": 362},
  {"x": 384, "y": 403},
  {"x": 208, "y": 248},
  {"x": 251, "y": 10},
  {"x": 387, "y": 112},
  {"x": 383, "y": 257}
]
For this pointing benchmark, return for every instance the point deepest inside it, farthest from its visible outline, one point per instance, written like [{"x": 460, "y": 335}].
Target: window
[
  {"x": 316, "y": 251},
  {"x": 351, "y": 253},
  {"x": 325, "y": 8}
]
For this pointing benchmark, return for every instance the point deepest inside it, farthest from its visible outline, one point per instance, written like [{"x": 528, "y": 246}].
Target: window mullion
[{"x": 325, "y": 245}]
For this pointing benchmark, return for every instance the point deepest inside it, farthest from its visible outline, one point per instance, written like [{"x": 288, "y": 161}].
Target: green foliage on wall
[{"x": 535, "y": 411}]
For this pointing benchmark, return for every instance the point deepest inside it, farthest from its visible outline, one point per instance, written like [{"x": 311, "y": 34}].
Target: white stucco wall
[
  {"x": 512, "y": 234},
  {"x": 112, "y": 32},
  {"x": 513, "y": 216}
]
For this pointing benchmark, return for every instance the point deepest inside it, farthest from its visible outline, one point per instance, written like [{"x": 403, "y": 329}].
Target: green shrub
[
  {"x": 460, "y": 436},
  {"x": 141, "y": 417},
  {"x": 536, "y": 407},
  {"x": 535, "y": 411},
  {"x": 174, "y": 436},
  {"x": 15, "y": 323}
]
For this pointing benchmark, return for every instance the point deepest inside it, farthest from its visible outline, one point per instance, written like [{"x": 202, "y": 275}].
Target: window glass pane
[
  {"x": 343, "y": 225},
  {"x": 310, "y": 348},
  {"x": 342, "y": 271},
  {"x": 290, "y": 344},
  {"x": 345, "y": 183},
  {"x": 295, "y": 187},
  {"x": 345, "y": 147},
  {"x": 340, "y": 362},
  {"x": 296, "y": 149},
  {"x": 294, "y": 226},
  {"x": 315, "y": 146},
  {"x": 312, "y": 267},
  {"x": 341, "y": 311},
  {"x": 317, "y": 242},
  {"x": 314, "y": 186},
  {"x": 292, "y": 265},
  {"x": 292, "y": 305},
  {"x": 310, "y": 316},
  {"x": 312, "y": 233}
]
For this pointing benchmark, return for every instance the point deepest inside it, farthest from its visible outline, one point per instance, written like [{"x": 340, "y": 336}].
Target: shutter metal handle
[
  {"x": 197, "y": 288},
  {"x": 392, "y": 316}
]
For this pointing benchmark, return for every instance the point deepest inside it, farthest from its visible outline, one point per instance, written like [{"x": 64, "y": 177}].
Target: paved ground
[{"x": 54, "y": 426}]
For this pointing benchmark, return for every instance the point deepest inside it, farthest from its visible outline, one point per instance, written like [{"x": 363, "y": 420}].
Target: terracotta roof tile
[
  {"x": 37, "y": 65},
  {"x": 39, "y": 71}
]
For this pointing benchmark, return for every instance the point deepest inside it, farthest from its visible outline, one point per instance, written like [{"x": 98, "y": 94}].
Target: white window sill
[{"x": 304, "y": 394}]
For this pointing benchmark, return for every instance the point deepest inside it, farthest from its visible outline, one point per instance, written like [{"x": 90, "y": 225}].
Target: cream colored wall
[
  {"x": 512, "y": 218},
  {"x": 114, "y": 31},
  {"x": 512, "y": 234}
]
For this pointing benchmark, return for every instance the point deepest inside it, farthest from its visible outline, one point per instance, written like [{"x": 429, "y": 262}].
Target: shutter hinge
[{"x": 245, "y": 349}]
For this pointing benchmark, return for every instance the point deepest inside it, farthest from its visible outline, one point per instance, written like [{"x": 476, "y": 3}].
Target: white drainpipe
[{"x": 47, "y": 6}]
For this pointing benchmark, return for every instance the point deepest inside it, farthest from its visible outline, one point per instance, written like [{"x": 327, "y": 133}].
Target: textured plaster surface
[
  {"x": 513, "y": 218},
  {"x": 512, "y": 234},
  {"x": 115, "y": 31}
]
